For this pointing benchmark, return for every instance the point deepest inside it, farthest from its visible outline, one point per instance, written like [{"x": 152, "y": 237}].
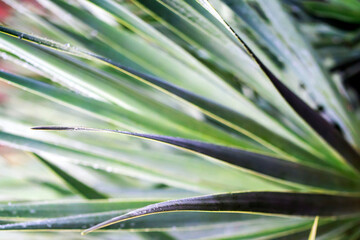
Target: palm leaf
[
  {"x": 266, "y": 165},
  {"x": 255, "y": 202},
  {"x": 244, "y": 98}
]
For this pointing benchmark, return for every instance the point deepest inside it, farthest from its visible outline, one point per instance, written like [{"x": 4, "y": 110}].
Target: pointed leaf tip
[
  {"x": 267, "y": 166},
  {"x": 53, "y": 128},
  {"x": 273, "y": 203},
  {"x": 314, "y": 229},
  {"x": 309, "y": 115}
]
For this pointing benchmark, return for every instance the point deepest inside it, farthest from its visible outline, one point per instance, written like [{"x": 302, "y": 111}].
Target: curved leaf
[
  {"x": 197, "y": 178},
  {"x": 184, "y": 225},
  {"x": 79, "y": 214},
  {"x": 266, "y": 165},
  {"x": 122, "y": 117},
  {"x": 300, "y": 151},
  {"x": 313, "y": 118},
  {"x": 346, "y": 11},
  {"x": 132, "y": 104},
  {"x": 314, "y": 229},
  {"x": 284, "y": 203},
  {"x": 64, "y": 208}
]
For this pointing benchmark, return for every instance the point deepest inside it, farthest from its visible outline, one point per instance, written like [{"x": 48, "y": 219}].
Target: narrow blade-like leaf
[
  {"x": 266, "y": 165},
  {"x": 283, "y": 203},
  {"x": 282, "y": 144},
  {"x": 314, "y": 228},
  {"x": 313, "y": 118},
  {"x": 80, "y": 187}
]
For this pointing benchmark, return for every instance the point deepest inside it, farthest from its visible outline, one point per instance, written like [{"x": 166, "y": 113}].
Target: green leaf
[
  {"x": 175, "y": 70},
  {"x": 314, "y": 229},
  {"x": 303, "y": 72},
  {"x": 327, "y": 230},
  {"x": 79, "y": 214},
  {"x": 285, "y": 203},
  {"x": 72, "y": 182},
  {"x": 191, "y": 173},
  {"x": 313, "y": 118},
  {"x": 63, "y": 208},
  {"x": 348, "y": 11},
  {"x": 153, "y": 58},
  {"x": 132, "y": 21},
  {"x": 127, "y": 118},
  {"x": 233, "y": 119},
  {"x": 263, "y": 165}
]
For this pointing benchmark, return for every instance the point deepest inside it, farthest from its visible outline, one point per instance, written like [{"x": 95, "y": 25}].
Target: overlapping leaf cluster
[{"x": 227, "y": 90}]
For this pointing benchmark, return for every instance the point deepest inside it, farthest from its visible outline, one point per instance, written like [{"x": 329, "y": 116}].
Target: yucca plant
[{"x": 251, "y": 136}]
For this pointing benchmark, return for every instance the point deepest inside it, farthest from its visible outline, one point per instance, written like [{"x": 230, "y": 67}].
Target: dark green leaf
[
  {"x": 267, "y": 165},
  {"x": 80, "y": 187},
  {"x": 313, "y": 118},
  {"x": 283, "y": 203},
  {"x": 347, "y": 11},
  {"x": 239, "y": 122}
]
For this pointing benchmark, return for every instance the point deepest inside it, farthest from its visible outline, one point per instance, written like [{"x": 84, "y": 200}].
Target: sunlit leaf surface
[{"x": 194, "y": 119}]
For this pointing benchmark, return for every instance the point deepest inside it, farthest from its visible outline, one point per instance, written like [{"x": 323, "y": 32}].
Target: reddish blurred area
[
  {"x": 5, "y": 11},
  {"x": 3, "y": 96},
  {"x": 9, "y": 154}
]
